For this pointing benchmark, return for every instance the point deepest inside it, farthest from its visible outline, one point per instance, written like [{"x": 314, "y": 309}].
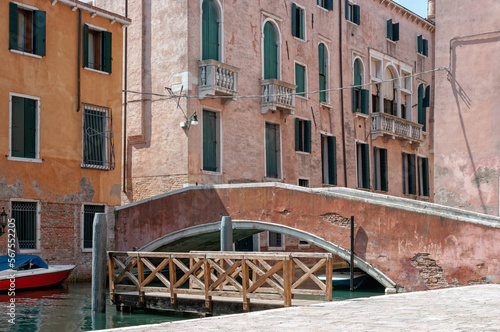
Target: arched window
[
  {"x": 390, "y": 92},
  {"x": 270, "y": 52},
  {"x": 323, "y": 72},
  {"x": 360, "y": 96},
  {"x": 210, "y": 31}
]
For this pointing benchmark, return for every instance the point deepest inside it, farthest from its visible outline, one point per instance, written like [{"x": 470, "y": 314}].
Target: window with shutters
[
  {"x": 298, "y": 21},
  {"x": 302, "y": 135},
  {"x": 329, "y": 159},
  {"x": 380, "y": 169},
  {"x": 27, "y": 223},
  {"x": 422, "y": 45},
  {"x": 98, "y": 140},
  {"x": 300, "y": 80},
  {"x": 210, "y": 31},
  {"x": 360, "y": 96},
  {"x": 273, "y": 153},
  {"x": 324, "y": 96},
  {"x": 271, "y": 50},
  {"x": 392, "y": 30},
  {"x": 89, "y": 211},
  {"x": 211, "y": 141},
  {"x": 27, "y": 27},
  {"x": 275, "y": 241},
  {"x": 363, "y": 165},
  {"x": 352, "y": 12},
  {"x": 409, "y": 174},
  {"x": 423, "y": 176},
  {"x": 423, "y": 102},
  {"x": 97, "y": 52},
  {"x": 326, "y": 4},
  {"x": 24, "y": 127}
]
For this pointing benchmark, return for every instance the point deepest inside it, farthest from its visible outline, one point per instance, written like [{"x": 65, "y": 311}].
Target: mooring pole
[
  {"x": 99, "y": 241},
  {"x": 351, "y": 267},
  {"x": 226, "y": 234}
]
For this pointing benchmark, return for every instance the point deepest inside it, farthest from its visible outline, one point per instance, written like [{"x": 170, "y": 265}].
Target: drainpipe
[
  {"x": 124, "y": 150},
  {"x": 79, "y": 57},
  {"x": 342, "y": 94}
]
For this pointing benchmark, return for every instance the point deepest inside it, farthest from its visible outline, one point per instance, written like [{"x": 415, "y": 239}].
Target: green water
[{"x": 68, "y": 308}]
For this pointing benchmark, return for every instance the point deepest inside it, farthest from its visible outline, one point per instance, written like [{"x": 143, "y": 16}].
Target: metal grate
[
  {"x": 275, "y": 239},
  {"x": 25, "y": 215},
  {"x": 98, "y": 139},
  {"x": 89, "y": 212}
]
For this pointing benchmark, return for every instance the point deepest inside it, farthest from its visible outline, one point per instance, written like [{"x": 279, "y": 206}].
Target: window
[
  {"x": 211, "y": 141},
  {"x": 89, "y": 212},
  {"x": 304, "y": 183},
  {"x": 352, "y": 12},
  {"x": 360, "y": 96},
  {"x": 98, "y": 140},
  {"x": 392, "y": 30},
  {"x": 300, "y": 80},
  {"x": 210, "y": 31},
  {"x": 25, "y": 126},
  {"x": 423, "y": 103},
  {"x": 363, "y": 165},
  {"x": 329, "y": 159},
  {"x": 375, "y": 98},
  {"x": 302, "y": 135},
  {"x": 327, "y": 4},
  {"x": 409, "y": 178},
  {"x": 273, "y": 158},
  {"x": 96, "y": 48},
  {"x": 376, "y": 78},
  {"x": 26, "y": 216},
  {"x": 270, "y": 51},
  {"x": 298, "y": 21},
  {"x": 323, "y": 73},
  {"x": 26, "y": 29},
  {"x": 423, "y": 176},
  {"x": 390, "y": 92},
  {"x": 380, "y": 163},
  {"x": 422, "y": 45},
  {"x": 275, "y": 240}
]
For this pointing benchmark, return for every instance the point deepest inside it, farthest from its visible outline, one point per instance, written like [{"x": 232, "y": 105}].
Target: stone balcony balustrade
[
  {"x": 276, "y": 95},
  {"x": 217, "y": 78},
  {"x": 390, "y": 127}
]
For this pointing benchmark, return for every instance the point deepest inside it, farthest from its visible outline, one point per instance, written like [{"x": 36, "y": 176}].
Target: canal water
[{"x": 68, "y": 308}]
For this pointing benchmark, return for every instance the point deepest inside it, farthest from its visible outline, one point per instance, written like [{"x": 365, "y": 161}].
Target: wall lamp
[
  {"x": 3, "y": 218},
  {"x": 192, "y": 120}
]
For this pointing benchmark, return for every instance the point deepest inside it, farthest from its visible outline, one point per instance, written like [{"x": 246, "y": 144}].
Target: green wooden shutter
[
  {"x": 300, "y": 19},
  {"x": 209, "y": 141},
  {"x": 12, "y": 26},
  {"x": 420, "y": 44},
  {"x": 425, "y": 164},
  {"x": 332, "y": 160},
  {"x": 357, "y": 73},
  {"x": 294, "y": 20},
  {"x": 356, "y": 14},
  {"x": 329, "y": 4},
  {"x": 412, "y": 181},
  {"x": 30, "y": 128},
  {"x": 365, "y": 162},
  {"x": 419, "y": 172},
  {"x": 210, "y": 33},
  {"x": 107, "y": 55},
  {"x": 425, "y": 45},
  {"x": 297, "y": 134},
  {"x": 307, "y": 136},
  {"x": 383, "y": 170},
  {"x": 322, "y": 72},
  {"x": 271, "y": 151},
  {"x": 427, "y": 96},
  {"x": 354, "y": 101},
  {"x": 365, "y": 101},
  {"x": 85, "y": 45},
  {"x": 389, "y": 29},
  {"x": 323, "y": 158},
  {"x": 17, "y": 129},
  {"x": 347, "y": 16},
  {"x": 40, "y": 27},
  {"x": 270, "y": 52},
  {"x": 395, "y": 32},
  {"x": 420, "y": 104},
  {"x": 300, "y": 78}
]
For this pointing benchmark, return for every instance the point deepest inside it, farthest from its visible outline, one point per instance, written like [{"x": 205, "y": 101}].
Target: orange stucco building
[{"x": 60, "y": 125}]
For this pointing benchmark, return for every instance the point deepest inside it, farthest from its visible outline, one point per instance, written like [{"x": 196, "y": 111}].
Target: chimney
[{"x": 431, "y": 16}]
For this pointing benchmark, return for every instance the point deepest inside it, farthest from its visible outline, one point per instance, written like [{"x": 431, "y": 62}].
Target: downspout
[
  {"x": 79, "y": 57},
  {"x": 342, "y": 94},
  {"x": 125, "y": 104}
]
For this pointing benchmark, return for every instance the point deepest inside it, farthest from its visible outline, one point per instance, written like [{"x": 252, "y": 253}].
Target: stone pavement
[{"x": 471, "y": 308}]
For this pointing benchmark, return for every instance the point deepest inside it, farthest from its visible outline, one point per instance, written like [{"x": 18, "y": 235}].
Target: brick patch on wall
[
  {"x": 146, "y": 187},
  {"x": 337, "y": 220},
  {"x": 431, "y": 273}
]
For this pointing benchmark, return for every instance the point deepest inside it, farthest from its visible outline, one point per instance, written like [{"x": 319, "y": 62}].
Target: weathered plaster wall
[
  {"x": 419, "y": 246},
  {"x": 468, "y": 168}
]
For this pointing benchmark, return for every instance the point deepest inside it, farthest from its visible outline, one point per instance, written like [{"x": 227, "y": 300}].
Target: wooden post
[
  {"x": 208, "y": 281},
  {"x": 287, "y": 281},
  {"x": 173, "y": 279},
  {"x": 245, "y": 284},
  {"x": 329, "y": 273},
  {"x": 140, "y": 276},
  {"x": 99, "y": 243},
  {"x": 111, "y": 271}
]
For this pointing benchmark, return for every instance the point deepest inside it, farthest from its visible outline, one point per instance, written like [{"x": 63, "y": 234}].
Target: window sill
[
  {"x": 355, "y": 24},
  {"x": 28, "y": 160},
  {"x": 301, "y": 97},
  {"x": 267, "y": 179},
  {"x": 327, "y": 185},
  {"x": 326, "y": 10},
  {"x": 360, "y": 115},
  {"x": 364, "y": 189},
  {"x": 326, "y": 105},
  {"x": 27, "y": 54},
  {"x": 30, "y": 251},
  {"x": 87, "y": 250},
  {"x": 275, "y": 248},
  {"x": 204, "y": 171},
  {"x": 390, "y": 40},
  {"x": 96, "y": 167},
  {"x": 425, "y": 133},
  {"x": 96, "y": 71},
  {"x": 300, "y": 39},
  {"x": 422, "y": 55},
  {"x": 303, "y": 153}
]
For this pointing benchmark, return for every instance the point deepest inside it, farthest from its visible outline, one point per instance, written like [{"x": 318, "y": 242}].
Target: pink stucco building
[{"x": 467, "y": 143}]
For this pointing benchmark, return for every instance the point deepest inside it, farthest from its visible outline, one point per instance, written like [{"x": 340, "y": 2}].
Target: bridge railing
[{"x": 264, "y": 276}]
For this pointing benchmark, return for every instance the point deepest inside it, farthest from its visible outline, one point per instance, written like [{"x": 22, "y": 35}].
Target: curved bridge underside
[{"x": 207, "y": 237}]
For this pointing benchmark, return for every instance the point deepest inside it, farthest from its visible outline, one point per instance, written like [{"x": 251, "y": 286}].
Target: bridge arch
[{"x": 252, "y": 227}]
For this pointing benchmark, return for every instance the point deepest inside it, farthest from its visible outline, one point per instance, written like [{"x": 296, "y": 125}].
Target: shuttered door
[
  {"x": 332, "y": 160},
  {"x": 300, "y": 73},
  {"x": 17, "y": 143},
  {"x": 30, "y": 128},
  {"x": 209, "y": 141},
  {"x": 365, "y": 101},
  {"x": 322, "y": 72},
  {"x": 270, "y": 53},
  {"x": 210, "y": 33},
  {"x": 23, "y": 127},
  {"x": 271, "y": 151}
]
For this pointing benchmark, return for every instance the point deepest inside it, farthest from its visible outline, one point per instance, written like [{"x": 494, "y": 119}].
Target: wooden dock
[{"x": 217, "y": 282}]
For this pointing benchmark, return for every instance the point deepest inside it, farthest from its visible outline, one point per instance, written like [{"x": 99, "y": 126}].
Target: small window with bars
[
  {"x": 98, "y": 140},
  {"x": 89, "y": 212},
  {"x": 275, "y": 240},
  {"x": 25, "y": 216}
]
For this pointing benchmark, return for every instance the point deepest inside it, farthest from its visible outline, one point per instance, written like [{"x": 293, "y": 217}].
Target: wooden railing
[
  {"x": 217, "y": 78},
  {"x": 265, "y": 276},
  {"x": 277, "y": 94},
  {"x": 386, "y": 124}
]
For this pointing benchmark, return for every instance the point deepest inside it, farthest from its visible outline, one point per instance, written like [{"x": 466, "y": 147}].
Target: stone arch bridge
[{"x": 405, "y": 244}]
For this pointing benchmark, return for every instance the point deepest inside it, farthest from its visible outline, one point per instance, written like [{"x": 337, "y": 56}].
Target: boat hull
[
  {"x": 343, "y": 279},
  {"x": 35, "y": 278}
]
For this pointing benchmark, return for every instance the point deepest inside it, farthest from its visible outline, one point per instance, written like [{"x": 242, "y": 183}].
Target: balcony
[
  {"x": 277, "y": 95},
  {"x": 217, "y": 78},
  {"x": 390, "y": 127}
]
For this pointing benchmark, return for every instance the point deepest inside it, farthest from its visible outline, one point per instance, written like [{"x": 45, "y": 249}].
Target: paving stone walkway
[{"x": 472, "y": 308}]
